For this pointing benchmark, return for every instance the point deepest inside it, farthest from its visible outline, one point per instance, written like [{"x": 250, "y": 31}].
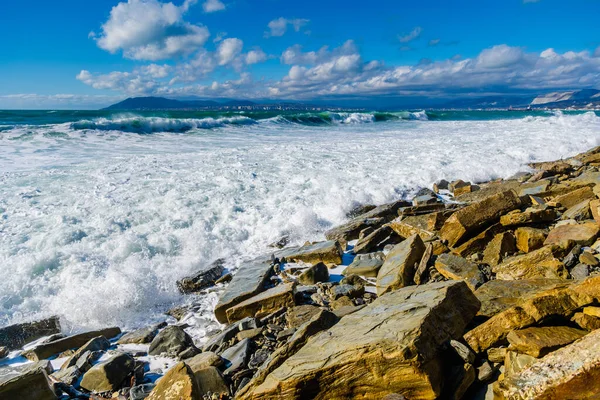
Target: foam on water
[{"x": 97, "y": 225}]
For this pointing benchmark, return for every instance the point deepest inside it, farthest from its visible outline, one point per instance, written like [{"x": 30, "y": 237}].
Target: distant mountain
[
  {"x": 161, "y": 103},
  {"x": 575, "y": 98}
]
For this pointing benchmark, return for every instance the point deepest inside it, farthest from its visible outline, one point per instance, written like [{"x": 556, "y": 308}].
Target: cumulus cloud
[
  {"x": 255, "y": 57},
  {"x": 409, "y": 37},
  {"x": 151, "y": 30},
  {"x": 228, "y": 50},
  {"x": 210, "y": 6},
  {"x": 279, "y": 26}
]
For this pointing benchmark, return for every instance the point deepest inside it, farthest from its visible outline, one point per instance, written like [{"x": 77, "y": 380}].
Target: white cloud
[
  {"x": 414, "y": 34},
  {"x": 279, "y": 26},
  {"x": 500, "y": 56},
  {"x": 255, "y": 57},
  {"x": 210, "y": 6},
  {"x": 151, "y": 30},
  {"x": 228, "y": 50},
  {"x": 597, "y": 52}
]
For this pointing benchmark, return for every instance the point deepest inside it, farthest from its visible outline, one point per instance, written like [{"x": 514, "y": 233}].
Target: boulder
[
  {"x": 204, "y": 360},
  {"x": 502, "y": 245},
  {"x": 109, "y": 375},
  {"x": 68, "y": 375},
  {"x": 13, "y": 337},
  {"x": 399, "y": 267},
  {"x": 425, "y": 196},
  {"x": 579, "y": 212},
  {"x": 46, "y": 350},
  {"x": 541, "y": 263},
  {"x": 568, "y": 373},
  {"x": 421, "y": 271},
  {"x": 30, "y": 385},
  {"x": 171, "y": 341},
  {"x": 457, "y": 268},
  {"x": 498, "y": 295},
  {"x": 393, "y": 344},
  {"x": 366, "y": 265},
  {"x": 529, "y": 216},
  {"x": 142, "y": 335},
  {"x": 539, "y": 341},
  {"x": 99, "y": 343},
  {"x": 584, "y": 234},
  {"x": 477, "y": 216},
  {"x": 178, "y": 383},
  {"x": 299, "y": 315},
  {"x": 210, "y": 381},
  {"x": 479, "y": 242},
  {"x": 376, "y": 240},
  {"x": 249, "y": 281},
  {"x": 202, "y": 279},
  {"x": 329, "y": 252},
  {"x": 576, "y": 196},
  {"x": 534, "y": 188},
  {"x": 236, "y": 357},
  {"x": 529, "y": 239},
  {"x": 413, "y": 225},
  {"x": 264, "y": 303},
  {"x": 314, "y": 274}
]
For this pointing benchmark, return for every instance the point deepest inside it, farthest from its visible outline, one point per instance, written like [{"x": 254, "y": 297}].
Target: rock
[
  {"x": 214, "y": 342},
  {"x": 140, "y": 392},
  {"x": 586, "y": 322},
  {"x": 336, "y": 363},
  {"x": 249, "y": 334},
  {"x": 457, "y": 184},
  {"x": 31, "y": 385},
  {"x": 141, "y": 336},
  {"x": 14, "y": 337},
  {"x": 583, "y": 234},
  {"x": 541, "y": 263},
  {"x": 457, "y": 268},
  {"x": 236, "y": 357},
  {"x": 320, "y": 322},
  {"x": 580, "y": 271},
  {"x": 314, "y": 274},
  {"x": 400, "y": 264},
  {"x": 485, "y": 372},
  {"x": 99, "y": 343},
  {"x": 368, "y": 265},
  {"x": 203, "y": 278},
  {"x": 529, "y": 216},
  {"x": 421, "y": 271},
  {"x": 178, "y": 383},
  {"x": 211, "y": 381},
  {"x": 376, "y": 240},
  {"x": 347, "y": 310},
  {"x": 502, "y": 245},
  {"x": 534, "y": 188},
  {"x": 299, "y": 315},
  {"x": 515, "y": 362},
  {"x": 46, "y": 350},
  {"x": 595, "y": 210},
  {"x": 343, "y": 301},
  {"x": 477, "y": 216},
  {"x": 593, "y": 311},
  {"x": 374, "y": 218},
  {"x": 3, "y": 352},
  {"x": 560, "y": 302},
  {"x": 575, "y": 378},
  {"x": 360, "y": 209},
  {"x": 463, "y": 377},
  {"x": 588, "y": 258},
  {"x": 529, "y": 239},
  {"x": 351, "y": 291},
  {"x": 463, "y": 351},
  {"x": 67, "y": 375},
  {"x": 249, "y": 281},
  {"x": 264, "y": 303},
  {"x": 413, "y": 225},
  {"x": 458, "y": 192},
  {"x": 224, "y": 279},
  {"x": 576, "y": 196},
  {"x": 478, "y": 243},
  {"x": 496, "y": 354},
  {"x": 440, "y": 185},
  {"x": 579, "y": 211},
  {"x": 204, "y": 360},
  {"x": 329, "y": 252},
  {"x": 539, "y": 341},
  {"x": 498, "y": 295},
  {"x": 171, "y": 341},
  {"x": 109, "y": 375}
]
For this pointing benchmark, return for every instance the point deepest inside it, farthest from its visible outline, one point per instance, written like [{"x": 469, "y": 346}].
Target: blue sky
[{"x": 71, "y": 53}]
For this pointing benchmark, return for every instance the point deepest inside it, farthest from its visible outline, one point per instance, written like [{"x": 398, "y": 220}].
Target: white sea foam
[{"x": 97, "y": 225}]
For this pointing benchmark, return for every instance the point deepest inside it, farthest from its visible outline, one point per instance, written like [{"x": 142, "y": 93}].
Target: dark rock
[
  {"x": 299, "y": 315},
  {"x": 210, "y": 381},
  {"x": 572, "y": 259},
  {"x": 224, "y": 279},
  {"x": 346, "y": 290},
  {"x": 171, "y": 341},
  {"x": 329, "y": 252},
  {"x": 3, "y": 352},
  {"x": 99, "y": 343},
  {"x": 316, "y": 273},
  {"x": 263, "y": 303},
  {"x": 141, "y": 336},
  {"x": 203, "y": 278},
  {"x": 257, "y": 359},
  {"x": 109, "y": 375},
  {"x": 376, "y": 240},
  {"x": 360, "y": 210},
  {"x": 236, "y": 357},
  {"x": 15, "y": 336},
  {"x": 31, "y": 385}
]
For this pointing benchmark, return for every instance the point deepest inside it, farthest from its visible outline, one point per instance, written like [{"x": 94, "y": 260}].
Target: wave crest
[{"x": 158, "y": 124}]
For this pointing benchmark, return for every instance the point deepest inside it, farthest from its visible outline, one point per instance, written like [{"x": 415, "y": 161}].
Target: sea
[{"x": 101, "y": 212}]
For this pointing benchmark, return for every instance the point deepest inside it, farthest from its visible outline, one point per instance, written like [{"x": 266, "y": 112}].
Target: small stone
[
  {"x": 463, "y": 351},
  {"x": 314, "y": 274},
  {"x": 485, "y": 372},
  {"x": 588, "y": 258},
  {"x": 171, "y": 341}
]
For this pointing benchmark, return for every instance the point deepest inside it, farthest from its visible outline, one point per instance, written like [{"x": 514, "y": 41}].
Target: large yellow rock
[
  {"x": 576, "y": 196},
  {"x": 572, "y": 372},
  {"x": 541, "y": 263},
  {"x": 539, "y": 341},
  {"x": 457, "y": 268},
  {"x": 529, "y": 216},
  {"x": 529, "y": 239},
  {"x": 499, "y": 248},
  {"x": 263, "y": 303},
  {"x": 477, "y": 216},
  {"x": 391, "y": 346},
  {"x": 178, "y": 383},
  {"x": 584, "y": 234},
  {"x": 413, "y": 225},
  {"x": 478, "y": 243},
  {"x": 400, "y": 264}
]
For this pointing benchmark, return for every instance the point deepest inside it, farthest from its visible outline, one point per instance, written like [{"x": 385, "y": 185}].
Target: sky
[{"x": 89, "y": 54}]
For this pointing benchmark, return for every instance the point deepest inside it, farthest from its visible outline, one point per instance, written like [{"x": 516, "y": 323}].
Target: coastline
[{"x": 518, "y": 242}]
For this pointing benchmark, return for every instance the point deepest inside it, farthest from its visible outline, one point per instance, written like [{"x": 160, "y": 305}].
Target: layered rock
[
  {"x": 15, "y": 336},
  {"x": 400, "y": 264},
  {"x": 542, "y": 263},
  {"x": 457, "y": 268},
  {"x": 264, "y": 303}
]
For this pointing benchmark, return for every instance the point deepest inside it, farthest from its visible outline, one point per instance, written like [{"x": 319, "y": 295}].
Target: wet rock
[
  {"x": 400, "y": 264},
  {"x": 236, "y": 357},
  {"x": 366, "y": 265},
  {"x": 109, "y": 375},
  {"x": 529, "y": 239},
  {"x": 329, "y": 252},
  {"x": 318, "y": 371},
  {"x": 171, "y": 341},
  {"x": 47, "y": 350},
  {"x": 576, "y": 378},
  {"x": 99, "y": 343},
  {"x": 249, "y": 281},
  {"x": 204, "y": 360},
  {"x": 31, "y": 385},
  {"x": 462, "y": 377},
  {"x": 376, "y": 240},
  {"x": 501, "y": 246},
  {"x": 141, "y": 336},
  {"x": 203, "y": 278},
  {"x": 314, "y": 274},
  {"x": 457, "y": 268},
  {"x": 13, "y": 337},
  {"x": 178, "y": 383},
  {"x": 477, "y": 216},
  {"x": 263, "y": 303},
  {"x": 529, "y": 216},
  {"x": 583, "y": 234},
  {"x": 541, "y": 263},
  {"x": 539, "y": 341}
]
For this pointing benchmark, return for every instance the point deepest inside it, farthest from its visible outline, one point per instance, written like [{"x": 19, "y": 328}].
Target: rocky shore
[{"x": 468, "y": 291}]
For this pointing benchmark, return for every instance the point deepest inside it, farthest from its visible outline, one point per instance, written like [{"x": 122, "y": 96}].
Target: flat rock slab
[
  {"x": 539, "y": 264},
  {"x": 400, "y": 264},
  {"x": 390, "y": 346},
  {"x": 529, "y": 239},
  {"x": 263, "y": 303},
  {"x": 249, "y": 281},
  {"x": 47, "y": 350},
  {"x": 529, "y": 216},
  {"x": 329, "y": 252},
  {"x": 15, "y": 336},
  {"x": 368, "y": 267},
  {"x": 31, "y": 385},
  {"x": 539, "y": 341},
  {"x": 457, "y": 268},
  {"x": 584, "y": 234},
  {"x": 572, "y": 372}
]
